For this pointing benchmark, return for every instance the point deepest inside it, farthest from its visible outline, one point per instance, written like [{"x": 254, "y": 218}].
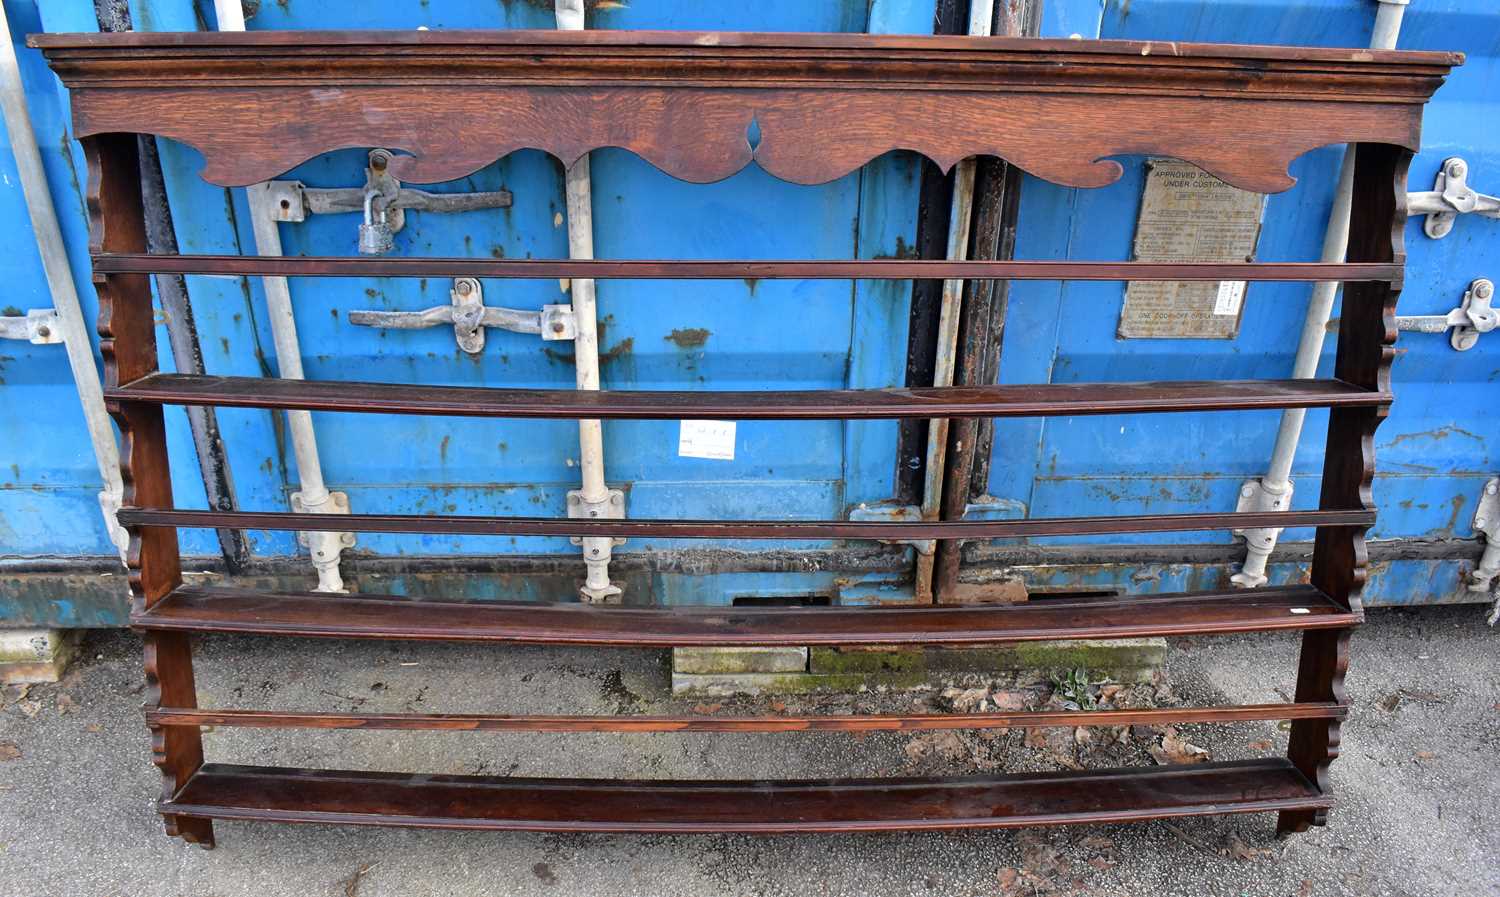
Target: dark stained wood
[
  {"x": 637, "y": 527},
  {"x": 127, "y": 341},
  {"x": 1053, "y": 399},
  {"x": 592, "y": 805},
  {"x": 449, "y": 103},
  {"x": 1366, "y": 349},
  {"x": 192, "y": 609},
  {"x": 176, "y": 750},
  {"x": 731, "y": 269},
  {"x": 478, "y": 722},
  {"x": 822, "y": 105}
]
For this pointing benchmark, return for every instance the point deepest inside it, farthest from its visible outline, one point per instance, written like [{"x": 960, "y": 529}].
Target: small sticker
[
  {"x": 1301, "y": 610},
  {"x": 712, "y": 439},
  {"x": 1231, "y": 293}
]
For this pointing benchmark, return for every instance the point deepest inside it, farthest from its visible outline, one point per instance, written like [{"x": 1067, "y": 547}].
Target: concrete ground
[{"x": 1418, "y": 784}]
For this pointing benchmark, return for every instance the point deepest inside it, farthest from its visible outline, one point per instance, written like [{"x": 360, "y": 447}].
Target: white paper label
[
  {"x": 1231, "y": 292},
  {"x": 712, "y": 439}
]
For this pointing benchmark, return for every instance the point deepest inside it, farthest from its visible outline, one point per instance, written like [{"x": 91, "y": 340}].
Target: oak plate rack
[{"x": 258, "y": 104}]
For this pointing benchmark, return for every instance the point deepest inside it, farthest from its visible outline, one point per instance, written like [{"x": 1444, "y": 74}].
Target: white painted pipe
[
  {"x": 313, "y": 497},
  {"x": 231, "y": 15},
  {"x": 595, "y": 493},
  {"x": 1276, "y": 484},
  {"x": 981, "y": 22},
  {"x": 59, "y": 275}
]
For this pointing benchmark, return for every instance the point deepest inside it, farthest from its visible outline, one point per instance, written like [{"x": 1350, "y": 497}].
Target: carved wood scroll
[{"x": 808, "y": 108}]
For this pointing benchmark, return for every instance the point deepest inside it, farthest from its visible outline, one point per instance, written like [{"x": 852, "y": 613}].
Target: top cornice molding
[{"x": 816, "y": 106}]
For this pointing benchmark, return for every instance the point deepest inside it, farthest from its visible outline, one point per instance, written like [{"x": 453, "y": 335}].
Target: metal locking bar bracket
[
  {"x": 1473, "y": 316},
  {"x": 1487, "y": 524},
  {"x": 39, "y": 326},
  {"x": 469, "y": 316},
  {"x": 882, "y": 512},
  {"x": 382, "y": 200},
  {"x": 1257, "y": 496},
  {"x": 1450, "y": 197}
]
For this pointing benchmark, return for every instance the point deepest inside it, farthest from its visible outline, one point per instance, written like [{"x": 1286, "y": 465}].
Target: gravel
[{"x": 1416, "y": 784}]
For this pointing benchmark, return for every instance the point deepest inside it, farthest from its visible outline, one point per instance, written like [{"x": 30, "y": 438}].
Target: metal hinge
[
  {"x": 469, "y": 316},
  {"x": 1450, "y": 197},
  {"x": 382, "y": 200},
  {"x": 1472, "y": 317},
  {"x": 38, "y": 326}
]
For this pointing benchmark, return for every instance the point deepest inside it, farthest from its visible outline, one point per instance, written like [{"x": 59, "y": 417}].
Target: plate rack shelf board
[{"x": 807, "y": 108}]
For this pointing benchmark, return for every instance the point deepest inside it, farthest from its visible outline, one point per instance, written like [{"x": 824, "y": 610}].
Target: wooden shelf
[
  {"x": 220, "y": 791},
  {"x": 633, "y": 527},
  {"x": 351, "y": 616},
  {"x": 489, "y": 722},
  {"x": 731, "y": 269},
  {"x": 1052, "y": 400}
]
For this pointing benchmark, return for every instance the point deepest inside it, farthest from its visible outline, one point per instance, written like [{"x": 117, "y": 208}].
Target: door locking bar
[
  {"x": 469, "y": 316},
  {"x": 382, "y": 199},
  {"x": 1450, "y": 197},
  {"x": 1473, "y": 316}
]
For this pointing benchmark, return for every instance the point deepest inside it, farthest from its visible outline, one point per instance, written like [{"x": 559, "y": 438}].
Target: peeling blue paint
[
  {"x": 1439, "y": 445},
  {"x": 1435, "y": 451}
]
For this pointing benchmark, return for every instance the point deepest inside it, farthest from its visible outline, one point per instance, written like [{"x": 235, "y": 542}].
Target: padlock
[{"x": 375, "y": 235}]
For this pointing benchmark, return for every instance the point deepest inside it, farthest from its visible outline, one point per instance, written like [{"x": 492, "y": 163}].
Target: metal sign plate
[{"x": 1190, "y": 215}]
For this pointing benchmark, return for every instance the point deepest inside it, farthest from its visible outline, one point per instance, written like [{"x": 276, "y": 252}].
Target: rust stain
[
  {"x": 443, "y": 449},
  {"x": 619, "y": 350},
  {"x": 688, "y": 338},
  {"x": 1457, "y": 502},
  {"x": 1437, "y": 435},
  {"x": 903, "y": 251}
]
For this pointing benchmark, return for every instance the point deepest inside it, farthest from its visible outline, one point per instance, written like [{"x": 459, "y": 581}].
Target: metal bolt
[
  {"x": 1247, "y": 490},
  {"x": 1483, "y": 289},
  {"x": 1480, "y": 523},
  {"x": 558, "y": 327},
  {"x": 1457, "y": 168},
  {"x": 1491, "y": 488},
  {"x": 379, "y": 159},
  {"x": 463, "y": 287},
  {"x": 44, "y": 331}
]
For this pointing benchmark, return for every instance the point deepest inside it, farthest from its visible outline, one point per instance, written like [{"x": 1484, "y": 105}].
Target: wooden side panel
[
  {"x": 127, "y": 331},
  {"x": 1366, "y": 348}
]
